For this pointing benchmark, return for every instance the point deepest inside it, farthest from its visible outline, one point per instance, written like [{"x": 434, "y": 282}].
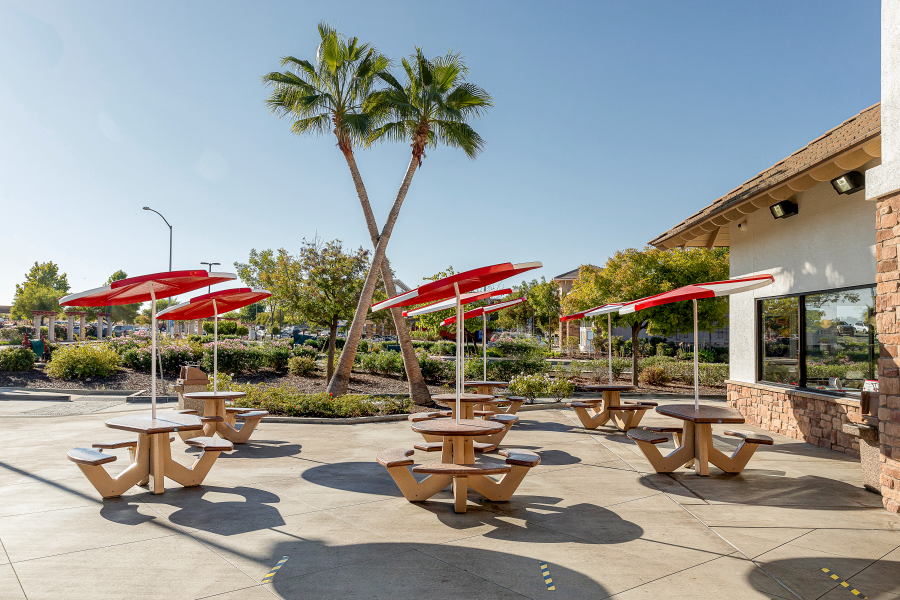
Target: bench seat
[
  {"x": 630, "y": 407},
  {"x": 504, "y": 418},
  {"x": 644, "y": 403},
  {"x": 664, "y": 429},
  {"x": 395, "y": 457},
  {"x": 643, "y": 435},
  {"x": 250, "y": 415},
  {"x": 89, "y": 456},
  {"x": 518, "y": 456},
  {"x": 121, "y": 444},
  {"x": 210, "y": 444},
  {"x": 438, "y": 446},
  {"x": 423, "y": 416},
  {"x": 460, "y": 470},
  {"x": 187, "y": 411},
  {"x": 751, "y": 437},
  {"x": 234, "y": 409},
  {"x": 211, "y": 419}
]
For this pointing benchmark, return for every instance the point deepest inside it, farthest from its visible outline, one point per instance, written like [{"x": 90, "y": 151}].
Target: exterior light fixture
[
  {"x": 783, "y": 209},
  {"x": 849, "y": 183}
]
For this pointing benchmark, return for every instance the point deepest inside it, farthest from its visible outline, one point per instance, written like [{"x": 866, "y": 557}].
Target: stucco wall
[{"x": 830, "y": 243}]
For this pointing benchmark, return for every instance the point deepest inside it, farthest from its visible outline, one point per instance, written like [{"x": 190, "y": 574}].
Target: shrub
[
  {"x": 654, "y": 375},
  {"x": 121, "y": 344},
  {"x": 175, "y": 356},
  {"x": 560, "y": 388},
  {"x": 224, "y": 381},
  {"x": 306, "y": 351},
  {"x": 89, "y": 360},
  {"x": 619, "y": 365},
  {"x": 529, "y": 386},
  {"x": 363, "y": 346},
  {"x": 434, "y": 369},
  {"x": 137, "y": 359},
  {"x": 317, "y": 343},
  {"x": 285, "y": 401},
  {"x": 234, "y": 357},
  {"x": 302, "y": 366},
  {"x": 10, "y": 334},
  {"x": 276, "y": 354},
  {"x": 16, "y": 359},
  {"x": 241, "y": 331}
]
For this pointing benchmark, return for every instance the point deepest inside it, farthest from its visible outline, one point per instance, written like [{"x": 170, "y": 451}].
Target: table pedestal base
[{"x": 695, "y": 448}]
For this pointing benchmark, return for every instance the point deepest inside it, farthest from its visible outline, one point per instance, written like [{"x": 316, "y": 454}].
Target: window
[{"x": 836, "y": 349}]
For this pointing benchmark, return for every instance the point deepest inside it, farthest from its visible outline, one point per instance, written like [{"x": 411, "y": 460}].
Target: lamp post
[
  {"x": 209, "y": 266},
  {"x": 169, "y": 323}
]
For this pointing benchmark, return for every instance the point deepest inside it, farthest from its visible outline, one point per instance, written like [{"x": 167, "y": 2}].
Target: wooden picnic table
[
  {"x": 152, "y": 455},
  {"x": 478, "y": 405},
  {"x": 624, "y": 416},
  {"x": 487, "y": 387},
  {"x": 469, "y": 403},
  {"x": 224, "y": 419},
  {"x": 695, "y": 446}
]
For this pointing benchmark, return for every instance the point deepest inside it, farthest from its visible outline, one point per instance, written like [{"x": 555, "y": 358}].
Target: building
[
  {"x": 565, "y": 283},
  {"x": 824, "y": 222}
]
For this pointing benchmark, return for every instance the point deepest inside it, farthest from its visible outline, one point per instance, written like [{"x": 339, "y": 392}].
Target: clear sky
[{"x": 613, "y": 121}]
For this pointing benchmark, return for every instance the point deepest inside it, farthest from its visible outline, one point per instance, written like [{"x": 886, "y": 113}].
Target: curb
[
  {"x": 379, "y": 418},
  {"x": 36, "y": 397}
]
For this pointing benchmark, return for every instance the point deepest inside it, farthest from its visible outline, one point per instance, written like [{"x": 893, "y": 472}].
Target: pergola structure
[
  {"x": 70, "y": 334},
  {"x": 38, "y": 316},
  {"x": 100, "y": 316}
]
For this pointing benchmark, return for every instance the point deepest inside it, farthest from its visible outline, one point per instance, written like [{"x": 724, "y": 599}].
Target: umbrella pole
[
  {"x": 609, "y": 346},
  {"x": 459, "y": 367},
  {"x": 215, "y": 347},
  {"x": 152, "y": 353},
  {"x": 484, "y": 341},
  {"x": 696, "y": 362}
]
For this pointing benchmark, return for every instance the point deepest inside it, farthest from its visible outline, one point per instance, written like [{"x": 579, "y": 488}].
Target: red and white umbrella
[
  {"x": 147, "y": 288},
  {"x": 453, "y": 287},
  {"x": 713, "y": 289},
  {"x": 608, "y": 310},
  {"x": 483, "y": 312},
  {"x": 213, "y": 305},
  {"x": 464, "y": 299}
]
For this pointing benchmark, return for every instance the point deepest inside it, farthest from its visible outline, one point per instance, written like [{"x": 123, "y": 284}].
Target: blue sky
[{"x": 613, "y": 121}]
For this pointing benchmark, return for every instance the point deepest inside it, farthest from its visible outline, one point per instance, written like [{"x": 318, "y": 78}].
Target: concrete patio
[{"x": 605, "y": 526}]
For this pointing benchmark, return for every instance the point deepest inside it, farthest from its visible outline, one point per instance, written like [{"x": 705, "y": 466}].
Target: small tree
[{"x": 41, "y": 290}]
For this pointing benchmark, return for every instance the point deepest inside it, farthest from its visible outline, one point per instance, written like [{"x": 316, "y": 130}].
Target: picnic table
[
  {"x": 152, "y": 456},
  {"x": 223, "y": 419},
  {"x": 487, "y": 387},
  {"x": 694, "y": 442},
  {"x": 458, "y": 466},
  {"x": 624, "y": 416},
  {"x": 477, "y": 405}
]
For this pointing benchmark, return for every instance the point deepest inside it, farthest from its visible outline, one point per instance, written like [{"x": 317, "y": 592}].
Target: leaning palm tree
[
  {"x": 331, "y": 96},
  {"x": 431, "y": 108}
]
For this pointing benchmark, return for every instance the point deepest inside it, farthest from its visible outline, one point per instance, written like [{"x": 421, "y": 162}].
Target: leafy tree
[
  {"x": 126, "y": 313},
  {"x": 259, "y": 272},
  {"x": 334, "y": 95},
  {"x": 41, "y": 290},
  {"x": 633, "y": 274},
  {"x": 322, "y": 283},
  {"x": 432, "y": 107}
]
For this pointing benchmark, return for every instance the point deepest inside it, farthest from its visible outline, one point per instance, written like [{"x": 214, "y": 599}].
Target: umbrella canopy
[
  {"x": 712, "y": 289},
  {"x": 608, "y": 310},
  {"x": 483, "y": 310},
  {"x": 463, "y": 299},
  {"x": 139, "y": 289},
  {"x": 460, "y": 283},
  {"x": 579, "y": 315},
  {"x": 212, "y": 305},
  {"x": 201, "y": 307}
]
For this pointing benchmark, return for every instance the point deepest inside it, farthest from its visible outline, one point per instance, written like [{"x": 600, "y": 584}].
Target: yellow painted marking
[
  {"x": 843, "y": 583},
  {"x": 545, "y": 571},
  {"x": 271, "y": 573}
]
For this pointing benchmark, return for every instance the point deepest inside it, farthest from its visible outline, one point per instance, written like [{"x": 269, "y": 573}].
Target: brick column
[{"x": 887, "y": 302}]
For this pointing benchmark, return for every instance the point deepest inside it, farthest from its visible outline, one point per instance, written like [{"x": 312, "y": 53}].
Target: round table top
[
  {"x": 164, "y": 423},
  {"x": 493, "y": 383},
  {"x": 607, "y": 388},
  {"x": 704, "y": 413},
  {"x": 477, "y": 398},
  {"x": 214, "y": 395},
  {"x": 449, "y": 427}
]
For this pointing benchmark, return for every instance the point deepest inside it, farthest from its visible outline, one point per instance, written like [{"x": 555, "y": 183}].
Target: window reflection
[
  {"x": 780, "y": 341},
  {"x": 840, "y": 339}
]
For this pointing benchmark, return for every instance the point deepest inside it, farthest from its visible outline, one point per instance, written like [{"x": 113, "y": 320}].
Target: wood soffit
[{"x": 848, "y": 146}]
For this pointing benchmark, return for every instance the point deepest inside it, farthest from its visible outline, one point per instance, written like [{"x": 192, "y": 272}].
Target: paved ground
[{"x": 313, "y": 493}]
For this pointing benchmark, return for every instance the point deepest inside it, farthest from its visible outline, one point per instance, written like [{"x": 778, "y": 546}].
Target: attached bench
[
  {"x": 251, "y": 415},
  {"x": 494, "y": 439},
  {"x": 89, "y": 457},
  {"x": 211, "y": 444},
  {"x": 750, "y": 437},
  {"x": 514, "y": 402},
  {"x": 131, "y": 444},
  {"x": 685, "y": 448},
  {"x": 460, "y": 470},
  {"x": 646, "y": 436},
  {"x": 625, "y": 416}
]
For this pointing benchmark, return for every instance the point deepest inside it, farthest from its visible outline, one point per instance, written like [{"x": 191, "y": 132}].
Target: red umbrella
[
  {"x": 463, "y": 299},
  {"x": 713, "y": 289},
  {"x": 146, "y": 288},
  {"x": 483, "y": 312},
  {"x": 455, "y": 286},
  {"x": 212, "y": 305}
]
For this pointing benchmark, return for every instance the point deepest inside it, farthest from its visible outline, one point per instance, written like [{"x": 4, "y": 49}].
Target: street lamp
[
  {"x": 169, "y": 323},
  {"x": 209, "y": 266}
]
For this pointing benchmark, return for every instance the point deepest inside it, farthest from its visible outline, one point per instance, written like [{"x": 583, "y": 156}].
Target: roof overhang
[{"x": 848, "y": 146}]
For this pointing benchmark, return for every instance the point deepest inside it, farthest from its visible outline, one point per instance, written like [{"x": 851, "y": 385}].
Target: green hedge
[
  {"x": 88, "y": 360},
  {"x": 16, "y": 359},
  {"x": 285, "y": 401}
]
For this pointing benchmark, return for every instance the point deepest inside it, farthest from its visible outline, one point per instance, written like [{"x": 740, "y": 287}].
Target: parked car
[
  {"x": 120, "y": 330},
  {"x": 861, "y": 327},
  {"x": 844, "y": 328}
]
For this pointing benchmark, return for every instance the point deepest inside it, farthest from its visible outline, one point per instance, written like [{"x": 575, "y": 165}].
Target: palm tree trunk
[
  {"x": 418, "y": 390},
  {"x": 332, "y": 342},
  {"x": 341, "y": 380}
]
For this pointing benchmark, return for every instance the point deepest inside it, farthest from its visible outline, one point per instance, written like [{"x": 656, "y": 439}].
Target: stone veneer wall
[
  {"x": 814, "y": 418},
  {"x": 888, "y": 298}
]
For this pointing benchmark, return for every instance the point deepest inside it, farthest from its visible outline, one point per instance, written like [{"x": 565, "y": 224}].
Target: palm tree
[
  {"x": 432, "y": 108},
  {"x": 332, "y": 95}
]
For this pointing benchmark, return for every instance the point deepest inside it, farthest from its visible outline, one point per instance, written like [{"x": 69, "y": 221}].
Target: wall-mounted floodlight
[
  {"x": 783, "y": 209},
  {"x": 849, "y": 183}
]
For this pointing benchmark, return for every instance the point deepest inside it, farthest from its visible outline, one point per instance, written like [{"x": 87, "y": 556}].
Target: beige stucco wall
[{"x": 830, "y": 243}]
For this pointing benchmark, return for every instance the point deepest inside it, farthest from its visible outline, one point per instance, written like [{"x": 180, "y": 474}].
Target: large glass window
[
  {"x": 834, "y": 350},
  {"x": 781, "y": 340},
  {"x": 840, "y": 339}
]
